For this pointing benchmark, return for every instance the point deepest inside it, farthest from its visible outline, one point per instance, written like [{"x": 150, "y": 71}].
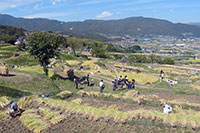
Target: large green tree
[
  {"x": 75, "y": 44},
  {"x": 44, "y": 46},
  {"x": 99, "y": 50}
]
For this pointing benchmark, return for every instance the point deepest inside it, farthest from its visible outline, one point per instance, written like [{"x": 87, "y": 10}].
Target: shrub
[
  {"x": 139, "y": 59},
  {"x": 168, "y": 61},
  {"x": 82, "y": 56}
]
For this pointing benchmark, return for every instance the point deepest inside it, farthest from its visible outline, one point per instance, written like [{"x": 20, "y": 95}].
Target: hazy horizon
[{"x": 70, "y": 10}]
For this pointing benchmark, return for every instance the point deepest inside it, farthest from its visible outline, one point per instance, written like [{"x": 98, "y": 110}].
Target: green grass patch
[
  {"x": 6, "y": 54},
  {"x": 12, "y": 49},
  {"x": 23, "y": 60},
  {"x": 67, "y": 57},
  {"x": 4, "y": 45},
  {"x": 33, "y": 83},
  {"x": 11, "y": 92}
]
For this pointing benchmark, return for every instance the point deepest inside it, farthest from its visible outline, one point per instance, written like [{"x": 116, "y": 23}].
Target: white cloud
[
  {"x": 171, "y": 10},
  {"x": 54, "y": 2},
  {"x": 7, "y": 4},
  {"x": 46, "y": 15},
  {"x": 36, "y": 6},
  {"x": 13, "y": 6},
  {"x": 117, "y": 13},
  {"x": 104, "y": 14},
  {"x": 90, "y": 2},
  {"x": 155, "y": 10},
  {"x": 135, "y": 9}
]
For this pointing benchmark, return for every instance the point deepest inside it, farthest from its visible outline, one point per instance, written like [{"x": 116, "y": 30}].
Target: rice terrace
[{"x": 116, "y": 75}]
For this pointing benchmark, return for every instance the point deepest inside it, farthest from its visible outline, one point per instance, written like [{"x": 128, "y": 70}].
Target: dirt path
[{"x": 16, "y": 75}]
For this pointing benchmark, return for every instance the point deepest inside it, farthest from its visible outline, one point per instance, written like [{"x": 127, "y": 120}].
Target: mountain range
[
  {"x": 102, "y": 29},
  {"x": 195, "y": 23}
]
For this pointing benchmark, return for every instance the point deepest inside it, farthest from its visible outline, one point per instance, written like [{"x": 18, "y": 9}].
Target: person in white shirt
[
  {"x": 167, "y": 109},
  {"x": 161, "y": 75},
  {"x": 101, "y": 86}
]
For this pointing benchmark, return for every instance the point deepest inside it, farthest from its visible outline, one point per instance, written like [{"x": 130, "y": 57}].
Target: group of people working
[
  {"x": 121, "y": 82},
  {"x": 76, "y": 81},
  {"x": 118, "y": 82}
]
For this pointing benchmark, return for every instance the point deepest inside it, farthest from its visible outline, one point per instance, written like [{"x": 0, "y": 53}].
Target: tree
[
  {"x": 155, "y": 59},
  {"x": 21, "y": 46},
  {"x": 75, "y": 44},
  {"x": 134, "y": 49},
  {"x": 98, "y": 50},
  {"x": 43, "y": 46},
  {"x": 169, "y": 61},
  {"x": 139, "y": 59},
  {"x": 112, "y": 48}
]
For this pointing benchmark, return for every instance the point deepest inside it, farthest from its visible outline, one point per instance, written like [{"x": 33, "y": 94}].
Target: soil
[
  {"x": 122, "y": 106},
  {"x": 197, "y": 82},
  {"x": 170, "y": 96},
  {"x": 74, "y": 124},
  {"x": 13, "y": 125},
  {"x": 79, "y": 124}
]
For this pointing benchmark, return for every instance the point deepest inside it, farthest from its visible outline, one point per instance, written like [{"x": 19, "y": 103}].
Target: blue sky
[{"x": 77, "y": 10}]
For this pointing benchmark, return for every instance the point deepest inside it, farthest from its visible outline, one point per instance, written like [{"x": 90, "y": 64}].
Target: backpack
[{"x": 103, "y": 86}]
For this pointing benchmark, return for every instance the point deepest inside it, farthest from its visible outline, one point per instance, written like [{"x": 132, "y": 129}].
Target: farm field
[{"x": 85, "y": 109}]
